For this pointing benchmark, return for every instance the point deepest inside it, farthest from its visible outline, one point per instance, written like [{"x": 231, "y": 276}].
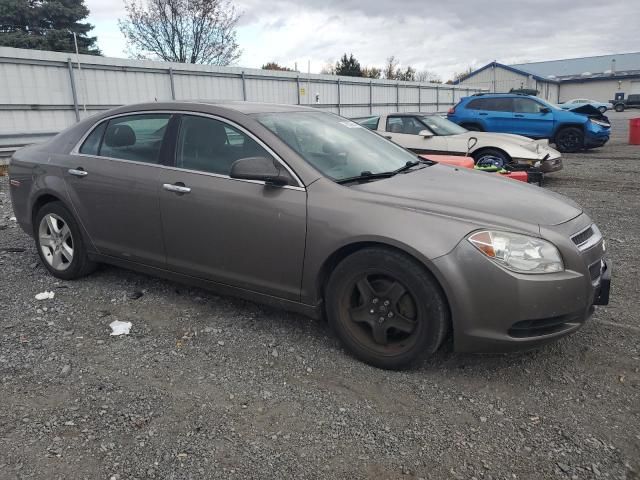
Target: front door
[
  {"x": 532, "y": 119},
  {"x": 113, "y": 187},
  {"x": 404, "y": 131},
  {"x": 236, "y": 232}
]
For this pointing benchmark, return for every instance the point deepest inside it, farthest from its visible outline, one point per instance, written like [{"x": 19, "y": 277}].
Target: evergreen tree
[
  {"x": 348, "y": 66},
  {"x": 46, "y": 25}
]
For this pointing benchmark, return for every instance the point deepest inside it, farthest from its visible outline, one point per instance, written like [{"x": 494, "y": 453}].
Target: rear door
[
  {"x": 404, "y": 130},
  {"x": 112, "y": 183},
  {"x": 532, "y": 119},
  {"x": 499, "y": 115},
  {"x": 241, "y": 233}
]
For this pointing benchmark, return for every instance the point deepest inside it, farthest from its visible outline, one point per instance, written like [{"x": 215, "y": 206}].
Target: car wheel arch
[
  {"x": 42, "y": 199},
  {"x": 332, "y": 261},
  {"x": 581, "y": 126},
  {"x": 480, "y": 150}
]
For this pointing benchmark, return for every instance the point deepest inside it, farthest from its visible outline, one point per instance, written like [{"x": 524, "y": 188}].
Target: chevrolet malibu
[{"x": 309, "y": 211}]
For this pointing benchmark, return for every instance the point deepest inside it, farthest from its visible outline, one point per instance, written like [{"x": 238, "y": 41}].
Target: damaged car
[{"x": 430, "y": 133}]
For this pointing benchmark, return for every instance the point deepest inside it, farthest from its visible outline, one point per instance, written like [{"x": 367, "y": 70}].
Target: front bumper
[{"x": 495, "y": 310}]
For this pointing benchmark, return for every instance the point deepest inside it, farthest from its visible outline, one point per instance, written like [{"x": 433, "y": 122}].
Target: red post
[{"x": 634, "y": 131}]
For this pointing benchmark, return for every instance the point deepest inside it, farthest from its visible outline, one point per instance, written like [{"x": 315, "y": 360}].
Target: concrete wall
[
  {"x": 600, "y": 90},
  {"x": 43, "y": 92}
]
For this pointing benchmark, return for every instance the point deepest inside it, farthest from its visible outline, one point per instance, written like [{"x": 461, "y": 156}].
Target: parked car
[
  {"x": 580, "y": 102},
  {"x": 309, "y": 211},
  {"x": 431, "y": 133},
  {"x": 632, "y": 101},
  {"x": 531, "y": 117}
]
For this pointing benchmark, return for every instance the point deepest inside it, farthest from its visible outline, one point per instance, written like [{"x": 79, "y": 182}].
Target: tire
[
  {"x": 602, "y": 110},
  {"x": 619, "y": 107},
  {"x": 472, "y": 127},
  {"x": 410, "y": 315},
  {"x": 490, "y": 152},
  {"x": 60, "y": 244},
  {"x": 569, "y": 140}
]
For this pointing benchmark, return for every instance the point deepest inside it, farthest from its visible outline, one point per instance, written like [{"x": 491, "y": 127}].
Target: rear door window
[
  {"x": 500, "y": 104},
  {"x": 135, "y": 137}
]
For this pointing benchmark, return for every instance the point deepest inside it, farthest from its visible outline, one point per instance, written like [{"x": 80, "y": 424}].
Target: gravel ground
[{"x": 212, "y": 387}]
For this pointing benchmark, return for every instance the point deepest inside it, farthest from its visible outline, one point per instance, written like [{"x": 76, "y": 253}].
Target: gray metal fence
[{"x": 43, "y": 92}]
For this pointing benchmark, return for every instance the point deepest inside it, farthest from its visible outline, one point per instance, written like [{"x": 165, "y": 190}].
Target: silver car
[{"x": 311, "y": 212}]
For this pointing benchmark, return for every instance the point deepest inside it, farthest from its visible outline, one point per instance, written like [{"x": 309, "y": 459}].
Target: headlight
[
  {"x": 519, "y": 253},
  {"x": 601, "y": 123}
]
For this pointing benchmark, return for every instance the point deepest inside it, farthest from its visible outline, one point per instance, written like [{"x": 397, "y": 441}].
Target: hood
[
  {"x": 508, "y": 140},
  {"x": 479, "y": 196},
  {"x": 590, "y": 111}
]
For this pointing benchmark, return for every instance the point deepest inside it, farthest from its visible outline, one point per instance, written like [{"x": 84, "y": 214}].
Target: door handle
[
  {"x": 519, "y": 116},
  {"x": 482, "y": 113},
  {"x": 176, "y": 188},
  {"x": 388, "y": 137},
  {"x": 78, "y": 172}
]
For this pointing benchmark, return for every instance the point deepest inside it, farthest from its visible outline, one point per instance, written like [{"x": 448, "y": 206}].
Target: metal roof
[{"x": 578, "y": 66}]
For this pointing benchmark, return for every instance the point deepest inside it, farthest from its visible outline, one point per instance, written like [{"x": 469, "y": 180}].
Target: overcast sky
[{"x": 440, "y": 36}]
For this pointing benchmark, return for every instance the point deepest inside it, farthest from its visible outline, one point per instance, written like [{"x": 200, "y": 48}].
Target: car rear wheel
[
  {"x": 386, "y": 308},
  {"x": 619, "y": 108},
  {"x": 569, "y": 140},
  {"x": 60, "y": 245},
  {"x": 488, "y": 153}
]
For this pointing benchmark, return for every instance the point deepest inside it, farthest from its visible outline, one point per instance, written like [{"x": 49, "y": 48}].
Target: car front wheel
[
  {"x": 602, "y": 109},
  {"x": 569, "y": 140},
  {"x": 619, "y": 108},
  {"x": 60, "y": 245},
  {"x": 386, "y": 308}
]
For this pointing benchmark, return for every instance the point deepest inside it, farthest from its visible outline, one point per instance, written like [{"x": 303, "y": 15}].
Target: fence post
[
  {"x": 298, "y": 87},
  {"x": 437, "y": 98},
  {"x": 173, "y": 87},
  {"x": 370, "y": 97},
  {"x": 398, "y": 97},
  {"x": 73, "y": 90},
  {"x": 339, "y": 101},
  {"x": 419, "y": 98},
  {"x": 244, "y": 88}
]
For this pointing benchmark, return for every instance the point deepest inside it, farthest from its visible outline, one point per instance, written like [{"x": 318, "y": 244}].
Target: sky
[{"x": 441, "y": 37}]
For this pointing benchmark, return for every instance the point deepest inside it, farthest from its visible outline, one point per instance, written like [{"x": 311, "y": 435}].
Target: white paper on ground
[
  {"x": 45, "y": 295},
  {"x": 120, "y": 328}
]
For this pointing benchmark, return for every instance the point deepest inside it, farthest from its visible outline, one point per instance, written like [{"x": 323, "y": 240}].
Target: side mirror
[
  {"x": 425, "y": 133},
  {"x": 259, "y": 168},
  {"x": 545, "y": 110}
]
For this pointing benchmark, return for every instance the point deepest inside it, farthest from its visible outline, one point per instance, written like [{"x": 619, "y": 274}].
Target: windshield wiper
[{"x": 367, "y": 175}]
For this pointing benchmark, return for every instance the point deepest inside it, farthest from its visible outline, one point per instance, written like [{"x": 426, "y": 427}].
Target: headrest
[{"x": 119, "y": 136}]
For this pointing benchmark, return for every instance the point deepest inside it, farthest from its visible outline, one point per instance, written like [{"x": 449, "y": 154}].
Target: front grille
[{"x": 581, "y": 237}]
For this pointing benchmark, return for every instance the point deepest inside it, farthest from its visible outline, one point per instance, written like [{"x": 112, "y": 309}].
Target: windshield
[
  {"x": 442, "y": 126},
  {"x": 337, "y": 147}
]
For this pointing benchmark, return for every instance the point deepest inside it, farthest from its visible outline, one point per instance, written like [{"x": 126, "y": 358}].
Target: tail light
[{"x": 451, "y": 111}]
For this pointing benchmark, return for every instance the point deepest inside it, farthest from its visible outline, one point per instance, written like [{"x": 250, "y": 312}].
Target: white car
[{"x": 426, "y": 133}]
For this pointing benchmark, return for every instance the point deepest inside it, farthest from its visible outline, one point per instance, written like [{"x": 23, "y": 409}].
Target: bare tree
[
  {"x": 389, "y": 69},
  {"x": 186, "y": 31},
  {"x": 427, "y": 76}
]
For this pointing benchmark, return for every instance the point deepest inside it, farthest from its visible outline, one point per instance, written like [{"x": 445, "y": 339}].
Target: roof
[
  {"x": 599, "y": 76},
  {"x": 578, "y": 66},
  {"x": 239, "y": 106},
  {"x": 506, "y": 67}
]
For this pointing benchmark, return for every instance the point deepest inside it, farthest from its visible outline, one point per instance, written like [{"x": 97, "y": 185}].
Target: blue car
[{"x": 531, "y": 117}]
